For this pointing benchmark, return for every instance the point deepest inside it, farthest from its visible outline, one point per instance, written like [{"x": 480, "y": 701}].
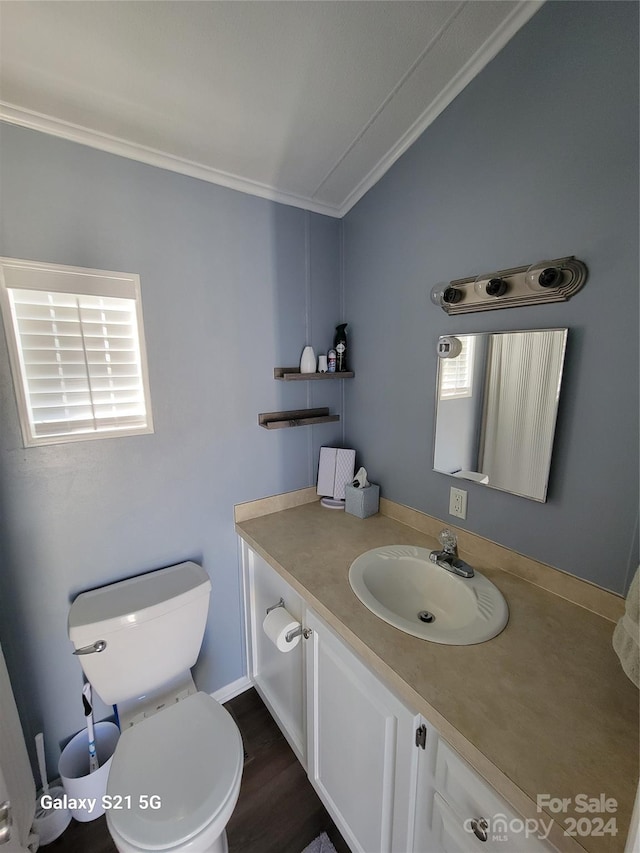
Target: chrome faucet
[{"x": 448, "y": 558}]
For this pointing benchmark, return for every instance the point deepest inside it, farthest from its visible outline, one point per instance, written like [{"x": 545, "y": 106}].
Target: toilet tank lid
[{"x": 135, "y": 600}]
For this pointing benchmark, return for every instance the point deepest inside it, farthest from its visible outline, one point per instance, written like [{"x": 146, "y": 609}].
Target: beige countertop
[{"x": 543, "y": 708}]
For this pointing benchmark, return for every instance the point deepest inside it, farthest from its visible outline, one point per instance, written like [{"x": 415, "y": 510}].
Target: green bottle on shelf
[{"x": 340, "y": 346}]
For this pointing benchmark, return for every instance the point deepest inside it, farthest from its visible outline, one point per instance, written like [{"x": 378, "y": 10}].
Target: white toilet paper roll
[{"x": 277, "y": 625}]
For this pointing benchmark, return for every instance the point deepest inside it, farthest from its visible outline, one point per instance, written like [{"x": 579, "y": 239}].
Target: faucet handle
[{"x": 449, "y": 541}]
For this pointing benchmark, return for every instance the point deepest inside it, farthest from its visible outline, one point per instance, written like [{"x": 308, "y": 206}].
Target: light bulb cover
[
  {"x": 496, "y": 287},
  {"x": 437, "y": 292},
  {"x": 544, "y": 275},
  {"x": 490, "y": 286},
  {"x": 452, "y": 295}
]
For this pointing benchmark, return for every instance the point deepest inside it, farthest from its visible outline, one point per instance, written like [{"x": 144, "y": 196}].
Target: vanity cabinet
[
  {"x": 278, "y": 677},
  {"x": 387, "y": 778},
  {"x": 361, "y": 749},
  {"x": 461, "y": 813}
]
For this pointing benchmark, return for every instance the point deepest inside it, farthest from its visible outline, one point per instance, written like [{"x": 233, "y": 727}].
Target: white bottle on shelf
[{"x": 308, "y": 360}]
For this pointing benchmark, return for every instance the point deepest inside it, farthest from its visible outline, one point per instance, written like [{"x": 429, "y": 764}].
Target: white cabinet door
[
  {"x": 451, "y": 797},
  {"x": 277, "y": 676},
  {"x": 361, "y": 748}
]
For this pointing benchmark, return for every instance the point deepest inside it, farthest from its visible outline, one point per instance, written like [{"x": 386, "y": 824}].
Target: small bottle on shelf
[
  {"x": 308, "y": 360},
  {"x": 340, "y": 344}
]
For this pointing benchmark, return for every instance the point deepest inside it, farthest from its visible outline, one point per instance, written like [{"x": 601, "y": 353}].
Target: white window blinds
[
  {"x": 79, "y": 355},
  {"x": 456, "y": 374}
]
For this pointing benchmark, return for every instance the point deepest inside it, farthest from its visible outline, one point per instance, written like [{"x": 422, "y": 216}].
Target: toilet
[{"x": 176, "y": 771}]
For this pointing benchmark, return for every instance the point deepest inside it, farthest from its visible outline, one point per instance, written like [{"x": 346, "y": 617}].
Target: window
[
  {"x": 456, "y": 374},
  {"x": 76, "y": 346}
]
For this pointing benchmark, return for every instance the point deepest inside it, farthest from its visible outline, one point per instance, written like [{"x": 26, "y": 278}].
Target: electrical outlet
[{"x": 458, "y": 503}]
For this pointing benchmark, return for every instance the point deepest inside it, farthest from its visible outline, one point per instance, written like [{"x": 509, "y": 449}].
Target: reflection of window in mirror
[{"x": 456, "y": 374}]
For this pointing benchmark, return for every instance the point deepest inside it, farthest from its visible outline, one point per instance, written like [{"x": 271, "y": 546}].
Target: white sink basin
[{"x": 399, "y": 582}]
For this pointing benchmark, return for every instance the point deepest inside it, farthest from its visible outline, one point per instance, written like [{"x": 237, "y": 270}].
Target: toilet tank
[{"x": 152, "y": 627}]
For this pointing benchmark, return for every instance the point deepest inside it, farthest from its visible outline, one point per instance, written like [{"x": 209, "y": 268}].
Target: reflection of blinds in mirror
[{"x": 456, "y": 374}]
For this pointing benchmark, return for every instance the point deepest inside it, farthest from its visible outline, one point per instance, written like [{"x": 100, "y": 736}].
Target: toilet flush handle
[{"x": 98, "y": 646}]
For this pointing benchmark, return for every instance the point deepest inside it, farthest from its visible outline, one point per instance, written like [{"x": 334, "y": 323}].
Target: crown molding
[
  {"x": 12, "y": 114},
  {"x": 491, "y": 47},
  {"x": 16, "y": 115}
]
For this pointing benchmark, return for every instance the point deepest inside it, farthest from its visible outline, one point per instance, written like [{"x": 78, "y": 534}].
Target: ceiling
[{"x": 306, "y": 102}]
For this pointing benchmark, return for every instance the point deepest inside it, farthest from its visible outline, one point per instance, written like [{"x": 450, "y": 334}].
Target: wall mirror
[{"x": 496, "y": 407}]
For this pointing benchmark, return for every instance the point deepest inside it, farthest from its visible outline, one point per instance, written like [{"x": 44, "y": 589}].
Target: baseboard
[{"x": 230, "y": 691}]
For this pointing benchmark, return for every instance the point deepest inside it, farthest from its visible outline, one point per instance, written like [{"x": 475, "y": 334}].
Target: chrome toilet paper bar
[
  {"x": 274, "y": 606},
  {"x": 296, "y": 632}
]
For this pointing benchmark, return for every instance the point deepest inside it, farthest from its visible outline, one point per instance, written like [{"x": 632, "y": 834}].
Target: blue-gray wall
[
  {"x": 537, "y": 158},
  {"x": 232, "y": 286}
]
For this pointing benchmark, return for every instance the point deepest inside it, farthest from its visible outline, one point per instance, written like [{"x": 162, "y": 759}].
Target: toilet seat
[{"x": 190, "y": 755}]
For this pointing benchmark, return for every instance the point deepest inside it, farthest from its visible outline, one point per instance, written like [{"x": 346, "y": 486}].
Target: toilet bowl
[
  {"x": 181, "y": 770},
  {"x": 176, "y": 771}
]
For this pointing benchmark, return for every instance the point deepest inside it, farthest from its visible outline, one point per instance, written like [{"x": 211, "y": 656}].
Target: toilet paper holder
[
  {"x": 295, "y": 632},
  {"x": 273, "y": 606}
]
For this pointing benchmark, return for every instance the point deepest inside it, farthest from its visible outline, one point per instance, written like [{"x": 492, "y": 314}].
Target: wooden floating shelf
[
  {"x": 296, "y": 417},
  {"x": 292, "y": 374}
]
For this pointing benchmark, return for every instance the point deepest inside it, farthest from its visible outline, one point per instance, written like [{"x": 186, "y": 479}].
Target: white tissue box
[{"x": 362, "y": 502}]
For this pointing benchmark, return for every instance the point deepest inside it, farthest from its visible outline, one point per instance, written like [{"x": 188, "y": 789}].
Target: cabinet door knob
[{"x": 480, "y": 826}]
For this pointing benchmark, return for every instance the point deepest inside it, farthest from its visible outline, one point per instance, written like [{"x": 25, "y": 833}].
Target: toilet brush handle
[
  {"x": 42, "y": 766},
  {"x": 88, "y": 712}
]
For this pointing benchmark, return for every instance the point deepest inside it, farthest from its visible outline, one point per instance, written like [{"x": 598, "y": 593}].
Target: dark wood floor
[{"x": 278, "y": 811}]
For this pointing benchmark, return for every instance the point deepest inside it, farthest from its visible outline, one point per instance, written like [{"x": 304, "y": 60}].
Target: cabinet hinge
[{"x": 421, "y": 736}]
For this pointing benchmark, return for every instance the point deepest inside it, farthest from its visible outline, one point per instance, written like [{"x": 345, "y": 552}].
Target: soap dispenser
[{"x": 340, "y": 346}]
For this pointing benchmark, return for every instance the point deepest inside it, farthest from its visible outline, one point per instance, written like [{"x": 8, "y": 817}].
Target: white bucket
[{"x": 73, "y": 768}]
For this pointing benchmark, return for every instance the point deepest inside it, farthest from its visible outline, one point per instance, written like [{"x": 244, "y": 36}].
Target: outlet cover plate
[{"x": 458, "y": 503}]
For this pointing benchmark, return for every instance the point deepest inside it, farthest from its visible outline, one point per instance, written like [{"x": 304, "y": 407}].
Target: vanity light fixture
[{"x": 545, "y": 281}]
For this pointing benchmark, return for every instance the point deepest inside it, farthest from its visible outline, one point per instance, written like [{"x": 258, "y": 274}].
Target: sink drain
[{"x": 425, "y": 616}]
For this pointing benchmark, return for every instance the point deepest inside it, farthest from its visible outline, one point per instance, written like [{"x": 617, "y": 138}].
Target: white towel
[{"x": 626, "y": 634}]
